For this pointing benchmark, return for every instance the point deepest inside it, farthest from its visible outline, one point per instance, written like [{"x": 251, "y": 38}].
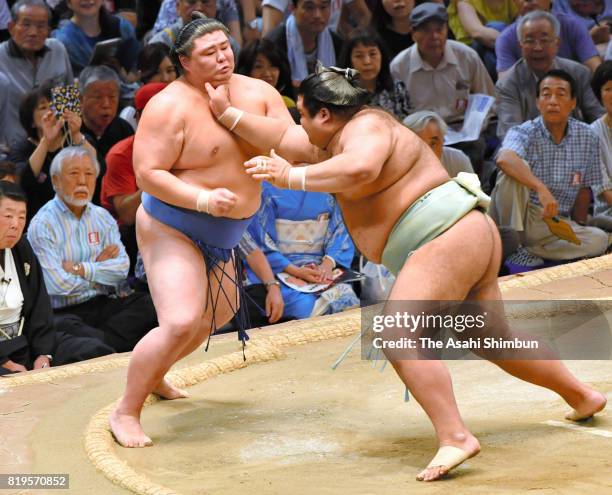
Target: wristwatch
[
  {"x": 252, "y": 24},
  {"x": 271, "y": 283},
  {"x": 76, "y": 268},
  {"x": 81, "y": 142}
]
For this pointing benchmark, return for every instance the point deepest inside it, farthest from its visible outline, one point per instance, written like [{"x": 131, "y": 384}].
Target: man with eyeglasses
[
  {"x": 575, "y": 41},
  {"x": 29, "y": 58},
  {"x": 516, "y": 93},
  {"x": 440, "y": 75}
]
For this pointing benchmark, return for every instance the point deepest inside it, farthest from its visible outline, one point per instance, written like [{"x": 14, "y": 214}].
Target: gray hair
[
  {"x": 194, "y": 29},
  {"x": 417, "y": 121},
  {"x": 17, "y": 6},
  {"x": 97, "y": 73},
  {"x": 68, "y": 154},
  {"x": 536, "y": 15}
]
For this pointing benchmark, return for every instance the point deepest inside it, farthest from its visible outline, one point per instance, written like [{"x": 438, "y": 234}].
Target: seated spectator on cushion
[
  {"x": 46, "y": 137},
  {"x": 303, "y": 234},
  {"x": 602, "y": 86},
  {"x": 28, "y": 338},
  {"x": 28, "y": 59},
  {"x": 548, "y": 167},
  {"x": 82, "y": 257},
  {"x": 90, "y": 24},
  {"x": 516, "y": 92},
  {"x": 120, "y": 194},
  {"x": 575, "y": 43},
  {"x": 366, "y": 52},
  {"x": 100, "y": 87}
]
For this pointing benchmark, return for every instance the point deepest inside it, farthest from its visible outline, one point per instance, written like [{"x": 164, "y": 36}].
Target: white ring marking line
[{"x": 583, "y": 429}]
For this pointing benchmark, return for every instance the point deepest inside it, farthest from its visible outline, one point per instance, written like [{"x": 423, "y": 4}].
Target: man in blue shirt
[
  {"x": 83, "y": 260},
  {"x": 547, "y": 167}
]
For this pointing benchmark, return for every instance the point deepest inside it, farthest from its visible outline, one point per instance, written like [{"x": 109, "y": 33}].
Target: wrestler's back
[
  {"x": 211, "y": 156},
  {"x": 370, "y": 211}
]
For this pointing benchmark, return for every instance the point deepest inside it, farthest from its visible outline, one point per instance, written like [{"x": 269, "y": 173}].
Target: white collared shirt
[
  {"x": 443, "y": 89},
  {"x": 11, "y": 297}
]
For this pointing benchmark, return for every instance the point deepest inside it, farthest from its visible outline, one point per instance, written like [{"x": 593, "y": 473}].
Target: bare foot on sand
[
  {"x": 592, "y": 403},
  {"x": 448, "y": 457},
  {"x": 127, "y": 430},
  {"x": 169, "y": 392}
]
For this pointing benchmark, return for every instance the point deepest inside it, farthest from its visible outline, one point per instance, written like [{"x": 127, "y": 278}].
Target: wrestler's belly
[
  {"x": 229, "y": 177},
  {"x": 370, "y": 219},
  {"x": 370, "y": 240}
]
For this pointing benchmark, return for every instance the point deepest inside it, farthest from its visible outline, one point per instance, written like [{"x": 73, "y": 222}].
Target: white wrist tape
[
  {"x": 202, "y": 201},
  {"x": 297, "y": 178},
  {"x": 230, "y": 117}
]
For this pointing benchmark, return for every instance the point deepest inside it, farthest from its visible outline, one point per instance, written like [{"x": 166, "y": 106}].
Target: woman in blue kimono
[{"x": 303, "y": 234}]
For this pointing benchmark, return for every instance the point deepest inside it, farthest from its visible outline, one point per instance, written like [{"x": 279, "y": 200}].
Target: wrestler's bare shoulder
[
  {"x": 370, "y": 119},
  {"x": 239, "y": 81},
  {"x": 248, "y": 89},
  {"x": 373, "y": 116},
  {"x": 173, "y": 103},
  {"x": 364, "y": 124}
]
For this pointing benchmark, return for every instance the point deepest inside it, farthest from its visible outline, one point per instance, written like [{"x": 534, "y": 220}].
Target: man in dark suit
[{"x": 28, "y": 336}]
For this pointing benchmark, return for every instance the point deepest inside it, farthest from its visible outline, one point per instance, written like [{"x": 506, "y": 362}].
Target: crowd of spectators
[{"x": 72, "y": 283}]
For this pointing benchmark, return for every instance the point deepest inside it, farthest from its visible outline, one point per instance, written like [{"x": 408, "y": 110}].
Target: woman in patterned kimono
[{"x": 303, "y": 235}]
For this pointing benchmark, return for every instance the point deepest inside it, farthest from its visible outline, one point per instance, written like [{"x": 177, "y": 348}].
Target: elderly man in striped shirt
[{"x": 83, "y": 260}]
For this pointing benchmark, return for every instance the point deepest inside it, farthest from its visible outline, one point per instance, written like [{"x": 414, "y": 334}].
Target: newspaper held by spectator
[{"x": 478, "y": 108}]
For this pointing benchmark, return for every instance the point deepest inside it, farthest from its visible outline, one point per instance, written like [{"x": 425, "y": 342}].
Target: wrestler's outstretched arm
[
  {"x": 365, "y": 145},
  {"x": 266, "y": 132},
  {"x": 157, "y": 147}
]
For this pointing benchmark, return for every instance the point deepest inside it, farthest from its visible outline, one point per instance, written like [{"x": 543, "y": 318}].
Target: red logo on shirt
[
  {"x": 94, "y": 238},
  {"x": 576, "y": 178}
]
